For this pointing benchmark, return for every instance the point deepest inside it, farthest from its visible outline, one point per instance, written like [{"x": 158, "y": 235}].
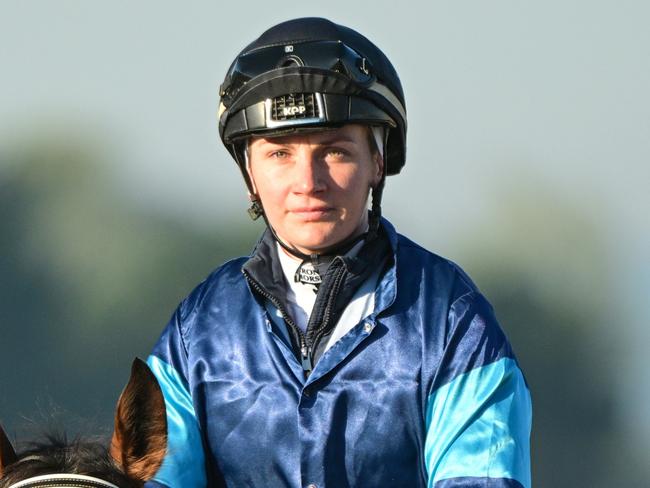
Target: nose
[{"x": 309, "y": 173}]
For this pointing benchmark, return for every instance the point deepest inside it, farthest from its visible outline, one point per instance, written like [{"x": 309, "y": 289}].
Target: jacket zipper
[
  {"x": 305, "y": 349},
  {"x": 338, "y": 279}
]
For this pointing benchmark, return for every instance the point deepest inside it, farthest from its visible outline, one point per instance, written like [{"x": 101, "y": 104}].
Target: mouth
[{"x": 312, "y": 213}]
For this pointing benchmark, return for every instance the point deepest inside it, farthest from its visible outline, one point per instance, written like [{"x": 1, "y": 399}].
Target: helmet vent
[
  {"x": 295, "y": 107},
  {"x": 290, "y": 61}
]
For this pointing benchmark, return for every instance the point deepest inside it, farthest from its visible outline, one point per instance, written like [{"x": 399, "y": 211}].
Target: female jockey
[{"x": 339, "y": 353}]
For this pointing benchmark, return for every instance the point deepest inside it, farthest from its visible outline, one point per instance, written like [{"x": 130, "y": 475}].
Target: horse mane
[{"x": 55, "y": 453}]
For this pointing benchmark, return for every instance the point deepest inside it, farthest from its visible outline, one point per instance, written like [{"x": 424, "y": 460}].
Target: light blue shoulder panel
[
  {"x": 478, "y": 425},
  {"x": 184, "y": 463}
]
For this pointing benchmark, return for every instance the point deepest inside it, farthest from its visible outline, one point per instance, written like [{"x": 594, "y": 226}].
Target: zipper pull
[{"x": 305, "y": 352}]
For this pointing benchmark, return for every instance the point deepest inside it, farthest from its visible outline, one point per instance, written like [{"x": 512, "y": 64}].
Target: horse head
[{"x": 135, "y": 453}]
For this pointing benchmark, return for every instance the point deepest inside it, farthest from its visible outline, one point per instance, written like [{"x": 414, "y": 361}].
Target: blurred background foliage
[
  {"x": 528, "y": 165},
  {"x": 88, "y": 281}
]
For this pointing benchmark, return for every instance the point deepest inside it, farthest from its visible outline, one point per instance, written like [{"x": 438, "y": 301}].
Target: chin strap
[
  {"x": 377, "y": 191},
  {"x": 63, "y": 481},
  {"x": 255, "y": 210}
]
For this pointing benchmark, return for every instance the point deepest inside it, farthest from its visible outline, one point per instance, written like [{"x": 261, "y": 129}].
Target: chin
[{"x": 311, "y": 238}]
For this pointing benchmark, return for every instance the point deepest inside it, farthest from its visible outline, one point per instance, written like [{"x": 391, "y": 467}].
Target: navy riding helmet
[{"x": 309, "y": 73}]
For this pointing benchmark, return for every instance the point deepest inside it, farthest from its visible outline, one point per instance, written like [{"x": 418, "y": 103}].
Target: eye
[
  {"x": 336, "y": 153},
  {"x": 279, "y": 154}
]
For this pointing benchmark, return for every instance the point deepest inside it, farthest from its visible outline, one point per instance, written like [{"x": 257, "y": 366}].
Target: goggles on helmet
[{"x": 330, "y": 55}]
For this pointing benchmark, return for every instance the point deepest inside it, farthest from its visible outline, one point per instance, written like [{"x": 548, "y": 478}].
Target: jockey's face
[{"x": 314, "y": 186}]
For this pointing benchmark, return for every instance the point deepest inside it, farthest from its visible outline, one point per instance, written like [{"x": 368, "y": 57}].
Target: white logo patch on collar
[{"x": 308, "y": 275}]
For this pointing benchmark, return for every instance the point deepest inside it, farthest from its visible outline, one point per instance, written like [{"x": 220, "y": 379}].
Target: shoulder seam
[
  {"x": 200, "y": 290},
  {"x": 405, "y": 242}
]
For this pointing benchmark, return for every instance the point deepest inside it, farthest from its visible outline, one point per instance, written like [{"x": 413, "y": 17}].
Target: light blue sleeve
[
  {"x": 478, "y": 429},
  {"x": 184, "y": 463}
]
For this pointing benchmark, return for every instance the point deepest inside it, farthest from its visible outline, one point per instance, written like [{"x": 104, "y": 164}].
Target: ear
[
  {"x": 379, "y": 167},
  {"x": 7, "y": 452},
  {"x": 140, "y": 437}
]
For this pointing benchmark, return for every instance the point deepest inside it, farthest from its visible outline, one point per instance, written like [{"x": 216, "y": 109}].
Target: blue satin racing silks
[{"x": 425, "y": 391}]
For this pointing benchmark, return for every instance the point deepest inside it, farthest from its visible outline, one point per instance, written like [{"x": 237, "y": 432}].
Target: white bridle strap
[{"x": 63, "y": 481}]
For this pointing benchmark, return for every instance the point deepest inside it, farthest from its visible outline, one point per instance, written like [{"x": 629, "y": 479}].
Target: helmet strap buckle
[{"x": 255, "y": 211}]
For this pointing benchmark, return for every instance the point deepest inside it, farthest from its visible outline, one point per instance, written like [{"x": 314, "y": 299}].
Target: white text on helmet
[{"x": 286, "y": 111}]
